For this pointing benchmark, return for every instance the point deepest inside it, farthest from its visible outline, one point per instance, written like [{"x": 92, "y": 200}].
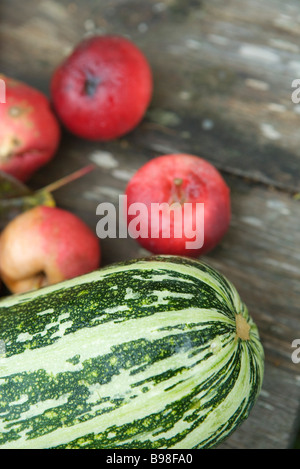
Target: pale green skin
[{"x": 141, "y": 354}]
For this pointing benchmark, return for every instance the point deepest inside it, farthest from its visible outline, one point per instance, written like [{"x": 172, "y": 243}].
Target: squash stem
[{"x": 242, "y": 328}]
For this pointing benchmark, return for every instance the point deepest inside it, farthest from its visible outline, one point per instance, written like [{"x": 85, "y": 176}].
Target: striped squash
[{"x": 151, "y": 353}]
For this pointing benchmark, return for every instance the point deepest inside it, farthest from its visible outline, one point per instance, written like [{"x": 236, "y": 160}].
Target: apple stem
[
  {"x": 91, "y": 84},
  {"x": 66, "y": 179},
  {"x": 178, "y": 195}
]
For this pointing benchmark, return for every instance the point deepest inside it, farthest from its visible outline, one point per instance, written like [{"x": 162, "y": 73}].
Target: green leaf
[
  {"x": 11, "y": 187},
  {"x": 16, "y": 197}
]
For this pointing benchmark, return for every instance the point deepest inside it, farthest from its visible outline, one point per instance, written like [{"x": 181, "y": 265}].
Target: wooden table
[{"x": 223, "y": 75}]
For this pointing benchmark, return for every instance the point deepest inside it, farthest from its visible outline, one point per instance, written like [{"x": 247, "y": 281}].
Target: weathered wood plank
[{"x": 230, "y": 98}]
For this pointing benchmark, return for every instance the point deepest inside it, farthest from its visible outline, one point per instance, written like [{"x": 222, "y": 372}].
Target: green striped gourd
[{"x": 152, "y": 353}]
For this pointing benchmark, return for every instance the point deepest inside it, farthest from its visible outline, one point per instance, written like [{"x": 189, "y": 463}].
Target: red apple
[
  {"x": 29, "y": 130},
  {"x": 46, "y": 245},
  {"x": 102, "y": 90},
  {"x": 195, "y": 203}
]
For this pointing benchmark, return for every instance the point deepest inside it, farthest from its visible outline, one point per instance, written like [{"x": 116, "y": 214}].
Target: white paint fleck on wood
[
  {"x": 207, "y": 124},
  {"x": 284, "y": 45},
  {"x": 123, "y": 174},
  {"x": 269, "y": 131},
  {"x": 257, "y": 84},
  {"x": 276, "y": 107},
  {"x": 219, "y": 40},
  {"x": 193, "y": 44},
  {"x": 253, "y": 221},
  {"x": 259, "y": 53},
  {"x": 283, "y": 266},
  {"x": 143, "y": 27},
  {"x": 104, "y": 159},
  {"x": 278, "y": 205}
]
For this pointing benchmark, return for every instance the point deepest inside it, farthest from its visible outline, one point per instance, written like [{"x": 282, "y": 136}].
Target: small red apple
[
  {"x": 29, "y": 130},
  {"x": 46, "y": 245},
  {"x": 102, "y": 90},
  {"x": 178, "y": 204}
]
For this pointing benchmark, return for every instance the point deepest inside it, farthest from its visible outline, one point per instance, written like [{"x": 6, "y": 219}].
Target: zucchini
[{"x": 151, "y": 353}]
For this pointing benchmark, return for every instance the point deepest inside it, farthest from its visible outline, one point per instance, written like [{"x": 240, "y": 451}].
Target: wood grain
[{"x": 223, "y": 74}]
